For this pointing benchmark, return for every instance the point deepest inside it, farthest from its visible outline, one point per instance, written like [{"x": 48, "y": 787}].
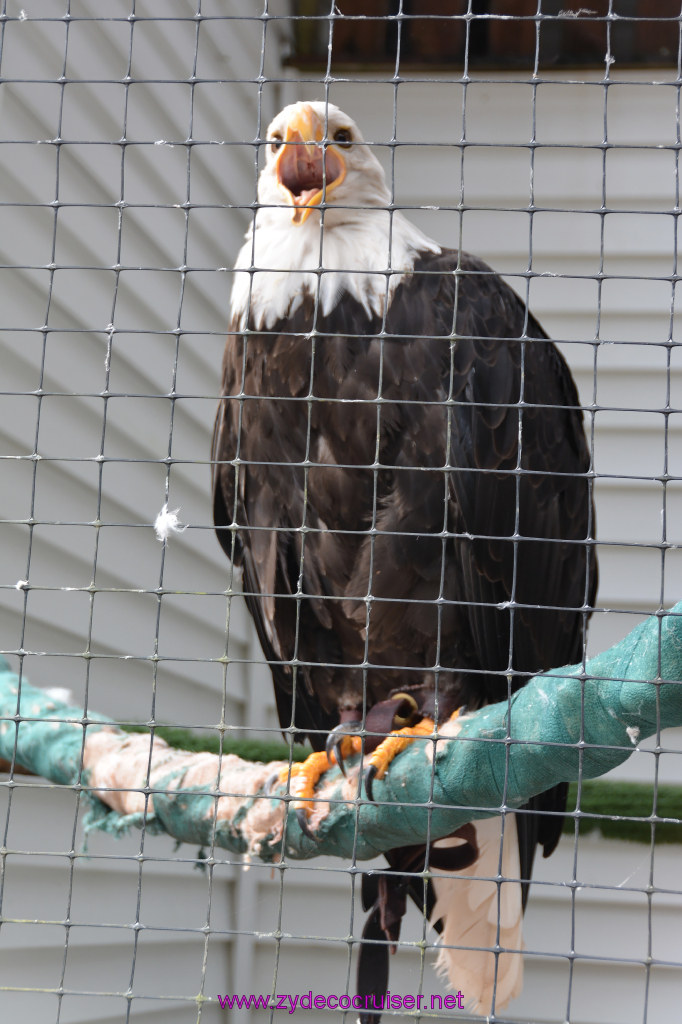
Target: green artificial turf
[
  {"x": 626, "y": 810},
  {"x": 248, "y": 749}
]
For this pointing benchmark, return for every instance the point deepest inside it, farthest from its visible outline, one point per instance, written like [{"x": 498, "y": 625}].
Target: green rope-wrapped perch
[{"x": 573, "y": 722}]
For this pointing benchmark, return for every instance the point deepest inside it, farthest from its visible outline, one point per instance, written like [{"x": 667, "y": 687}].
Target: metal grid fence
[{"x": 130, "y": 144}]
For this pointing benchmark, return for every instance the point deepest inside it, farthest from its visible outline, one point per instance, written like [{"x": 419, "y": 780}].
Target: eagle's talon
[
  {"x": 302, "y": 819},
  {"x": 394, "y": 744},
  {"x": 333, "y": 748},
  {"x": 273, "y": 779},
  {"x": 370, "y": 774},
  {"x": 343, "y": 735}
]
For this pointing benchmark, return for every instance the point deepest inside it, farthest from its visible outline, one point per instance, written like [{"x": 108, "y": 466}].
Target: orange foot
[
  {"x": 303, "y": 776},
  {"x": 380, "y": 759}
]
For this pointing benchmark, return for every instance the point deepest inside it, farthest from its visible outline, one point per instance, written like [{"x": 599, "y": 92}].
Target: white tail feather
[{"x": 467, "y": 902}]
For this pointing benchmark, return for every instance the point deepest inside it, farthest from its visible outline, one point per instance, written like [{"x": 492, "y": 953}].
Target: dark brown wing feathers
[{"x": 354, "y": 517}]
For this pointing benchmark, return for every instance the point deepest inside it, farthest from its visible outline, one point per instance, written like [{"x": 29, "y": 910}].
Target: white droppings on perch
[
  {"x": 121, "y": 767},
  {"x": 60, "y": 695}
]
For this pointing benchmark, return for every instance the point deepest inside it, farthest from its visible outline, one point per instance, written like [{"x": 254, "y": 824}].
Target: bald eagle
[{"x": 401, "y": 471}]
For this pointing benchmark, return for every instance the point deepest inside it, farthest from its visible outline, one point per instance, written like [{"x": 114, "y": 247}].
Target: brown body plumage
[{"x": 382, "y": 474}]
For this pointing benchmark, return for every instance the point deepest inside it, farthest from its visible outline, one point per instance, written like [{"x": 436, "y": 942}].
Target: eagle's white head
[
  {"x": 317, "y": 156},
  {"x": 324, "y": 225}
]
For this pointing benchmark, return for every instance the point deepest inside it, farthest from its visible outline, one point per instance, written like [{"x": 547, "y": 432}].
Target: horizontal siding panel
[
  {"x": 104, "y": 891},
  {"x": 609, "y": 923},
  {"x": 633, "y": 514},
  {"x": 632, "y": 577},
  {"x": 639, "y": 183},
  {"x": 30, "y": 111},
  {"x": 88, "y": 39},
  {"x": 233, "y": 49},
  {"x": 646, "y": 432},
  {"x": 584, "y": 322},
  {"x": 630, "y": 365},
  {"x": 74, "y": 366},
  {"x": 151, "y": 1011},
  {"x": 187, "y": 692},
  {"x": 34, "y": 49}
]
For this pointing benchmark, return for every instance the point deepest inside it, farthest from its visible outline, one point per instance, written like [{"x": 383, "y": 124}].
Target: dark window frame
[{"x": 497, "y": 35}]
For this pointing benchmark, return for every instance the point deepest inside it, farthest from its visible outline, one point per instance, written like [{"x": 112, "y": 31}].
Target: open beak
[{"x": 307, "y": 171}]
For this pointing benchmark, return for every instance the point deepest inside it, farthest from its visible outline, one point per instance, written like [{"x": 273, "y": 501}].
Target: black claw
[
  {"x": 370, "y": 775},
  {"x": 335, "y": 738},
  {"x": 333, "y": 746},
  {"x": 302, "y": 819},
  {"x": 270, "y": 782}
]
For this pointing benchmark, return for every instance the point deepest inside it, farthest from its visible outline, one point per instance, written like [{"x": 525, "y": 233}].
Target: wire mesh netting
[{"x": 542, "y": 137}]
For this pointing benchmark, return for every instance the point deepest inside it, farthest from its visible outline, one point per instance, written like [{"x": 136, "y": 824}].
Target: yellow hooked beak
[{"x": 307, "y": 171}]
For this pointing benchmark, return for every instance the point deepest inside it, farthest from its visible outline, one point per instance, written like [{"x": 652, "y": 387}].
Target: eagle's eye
[
  {"x": 277, "y": 141},
  {"x": 344, "y": 137}
]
